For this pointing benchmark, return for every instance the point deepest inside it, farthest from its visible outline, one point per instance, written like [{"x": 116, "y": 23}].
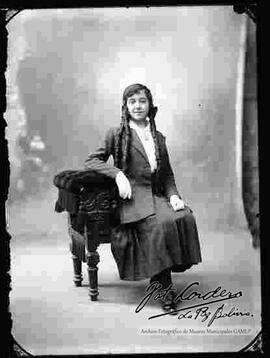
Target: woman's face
[{"x": 138, "y": 106}]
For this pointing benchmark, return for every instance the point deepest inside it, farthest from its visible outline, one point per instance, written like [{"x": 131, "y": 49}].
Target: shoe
[{"x": 169, "y": 305}]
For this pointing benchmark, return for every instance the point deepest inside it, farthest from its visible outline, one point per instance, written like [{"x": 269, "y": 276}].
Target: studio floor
[{"x": 53, "y": 317}]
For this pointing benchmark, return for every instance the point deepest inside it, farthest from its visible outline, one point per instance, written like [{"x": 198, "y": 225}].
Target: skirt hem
[{"x": 173, "y": 268}]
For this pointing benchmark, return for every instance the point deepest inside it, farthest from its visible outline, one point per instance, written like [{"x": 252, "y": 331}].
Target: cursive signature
[
  {"x": 187, "y": 294},
  {"x": 155, "y": 291},
  {"x": 204, "y": 313}
]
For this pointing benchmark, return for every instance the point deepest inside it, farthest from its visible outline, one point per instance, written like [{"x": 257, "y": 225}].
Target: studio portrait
[{"x": 133, "y": 203}]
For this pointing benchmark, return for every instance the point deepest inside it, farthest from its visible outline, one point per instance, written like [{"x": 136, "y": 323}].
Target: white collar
[{"x": 135, "y": 126}]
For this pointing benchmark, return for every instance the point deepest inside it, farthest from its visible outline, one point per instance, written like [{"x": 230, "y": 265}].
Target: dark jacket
[{"x": 139, "y": 174}]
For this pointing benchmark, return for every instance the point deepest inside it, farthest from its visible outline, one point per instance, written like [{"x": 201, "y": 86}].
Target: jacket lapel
[{"x": 137, "y": 144}]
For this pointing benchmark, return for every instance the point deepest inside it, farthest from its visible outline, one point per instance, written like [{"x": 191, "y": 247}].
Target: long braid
[
  {"x": 126, "y": 149},
  {"x": 118, "y": 145},
  {"x": 122, "y": 142}
]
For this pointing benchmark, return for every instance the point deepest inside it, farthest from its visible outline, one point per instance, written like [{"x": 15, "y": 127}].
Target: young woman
[{"x": 157, "y": 234}]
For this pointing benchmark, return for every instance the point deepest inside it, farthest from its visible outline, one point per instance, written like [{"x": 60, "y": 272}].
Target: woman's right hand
[{"x": 123, "y": 185}]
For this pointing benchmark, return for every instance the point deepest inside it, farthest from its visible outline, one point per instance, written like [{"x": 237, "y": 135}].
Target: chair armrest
[{"x": 75, "y": 180}]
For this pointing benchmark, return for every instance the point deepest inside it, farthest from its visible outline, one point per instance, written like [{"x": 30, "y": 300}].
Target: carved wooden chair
[{"x": 91, "y": 202}]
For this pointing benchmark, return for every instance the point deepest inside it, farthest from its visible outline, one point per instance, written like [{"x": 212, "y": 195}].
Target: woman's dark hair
[{"x": 122, "y": 143}]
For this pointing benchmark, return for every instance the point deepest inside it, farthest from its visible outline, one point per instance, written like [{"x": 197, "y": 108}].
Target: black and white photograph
[{"x": 133, "y": 202}]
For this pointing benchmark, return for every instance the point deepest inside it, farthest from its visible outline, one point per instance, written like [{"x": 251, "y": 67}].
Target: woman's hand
[
  {"x": 123, "y": 185},
  {"x": 177, "y": 203}
]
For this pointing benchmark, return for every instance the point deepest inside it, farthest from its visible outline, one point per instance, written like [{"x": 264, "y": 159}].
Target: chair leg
[
  {"x": 92, "y": 259},
  {"x": 77, "y": 267}
]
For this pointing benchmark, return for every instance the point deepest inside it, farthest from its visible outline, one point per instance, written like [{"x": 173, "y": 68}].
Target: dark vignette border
[{"x": 9, "y": 9}]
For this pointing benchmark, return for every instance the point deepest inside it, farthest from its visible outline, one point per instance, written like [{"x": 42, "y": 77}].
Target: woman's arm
[{"x": 97, "y": 161}]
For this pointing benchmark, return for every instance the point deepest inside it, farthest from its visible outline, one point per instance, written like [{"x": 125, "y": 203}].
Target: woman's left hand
[{"x": 177, "y": 203}]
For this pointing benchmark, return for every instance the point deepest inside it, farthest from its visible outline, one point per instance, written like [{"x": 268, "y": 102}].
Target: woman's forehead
[{"x": 139, "y": 94}]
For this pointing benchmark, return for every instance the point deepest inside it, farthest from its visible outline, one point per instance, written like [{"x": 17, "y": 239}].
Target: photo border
[{"x": 8, "y": 10}]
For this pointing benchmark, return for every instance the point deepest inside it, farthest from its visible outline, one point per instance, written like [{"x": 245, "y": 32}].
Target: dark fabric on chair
[
  {"x": 75, "y": 180},
  {"x": 76, "y": 187},
  {"x": 67, "y": 201}
]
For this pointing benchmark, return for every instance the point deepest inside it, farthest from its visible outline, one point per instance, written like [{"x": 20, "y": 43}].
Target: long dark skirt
[{"x": 167, "y": 239}]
